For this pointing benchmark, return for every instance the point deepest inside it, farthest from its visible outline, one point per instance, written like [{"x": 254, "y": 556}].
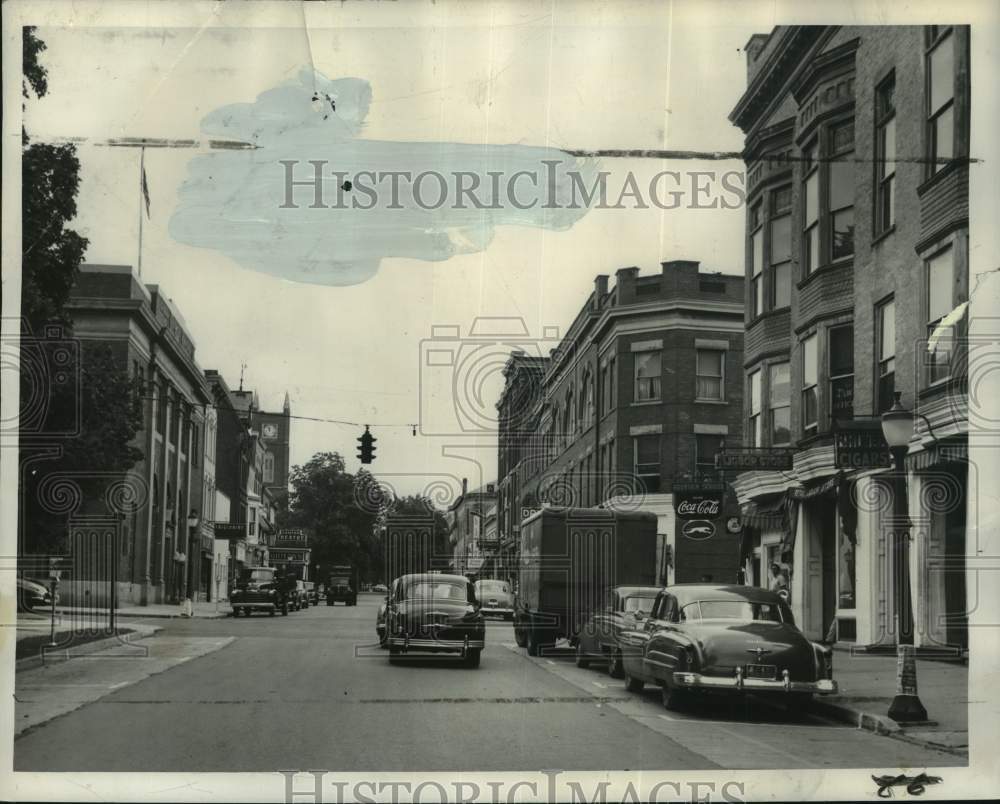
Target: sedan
[
  {"x": 624, "y": 610},
  {"x": 496, "y": 598},
  {"x": 434, "y": 613},
  {"x": 705, "y": 639},
  {"x": 32, "y": 595}
]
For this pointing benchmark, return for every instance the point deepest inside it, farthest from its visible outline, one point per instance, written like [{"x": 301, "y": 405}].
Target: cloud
[{"x": 403, "y": 199}]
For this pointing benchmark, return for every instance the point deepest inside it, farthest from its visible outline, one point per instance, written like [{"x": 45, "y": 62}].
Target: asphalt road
[{"x": 311, "y": 690}]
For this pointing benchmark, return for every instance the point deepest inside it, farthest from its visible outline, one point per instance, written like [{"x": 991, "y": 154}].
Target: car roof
[
  {"x": 432, "y": 576},
  {"x": 644, "y": 591},
  {"x": 690, "y": 592}
]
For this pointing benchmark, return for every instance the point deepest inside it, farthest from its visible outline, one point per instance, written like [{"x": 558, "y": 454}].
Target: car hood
[
  {"x": 724, "y": 644},
  {"x": 33, "y": 586}
]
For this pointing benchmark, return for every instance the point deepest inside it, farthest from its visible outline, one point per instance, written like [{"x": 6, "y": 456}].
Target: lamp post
[
  {"x": 897, "y": 427},
  {"x": 193, "y": 521}
]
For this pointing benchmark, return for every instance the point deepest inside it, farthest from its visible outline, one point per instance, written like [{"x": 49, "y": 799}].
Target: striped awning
[
  {"x": 939, "y": 453},
  {"x": 766, "y": 513}
]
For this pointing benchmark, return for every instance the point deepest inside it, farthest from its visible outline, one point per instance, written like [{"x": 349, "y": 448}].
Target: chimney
[
  {"x": 680, "y": 265},
  {"x": 753, "y": 48},
  {"x": 626, "y": 273},
  {"x": 600, "y": 289}
]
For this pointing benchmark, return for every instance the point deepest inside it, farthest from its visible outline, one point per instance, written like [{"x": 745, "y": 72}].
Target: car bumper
[
  {"x": 425, "y": 644},
  {"x": 488, "y": 610},
  {"x": 257, "y": 605},
  {"x": 738, "y": 683}
]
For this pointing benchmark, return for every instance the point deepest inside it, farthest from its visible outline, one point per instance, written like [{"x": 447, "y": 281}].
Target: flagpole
[{"x": 142, "y": 169}]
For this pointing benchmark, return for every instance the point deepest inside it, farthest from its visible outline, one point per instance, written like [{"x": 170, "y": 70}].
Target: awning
[
  {"x": 939, "y": 453},
  {"x": 828, "y": 486},
  {"x": 766, "y": 513}
]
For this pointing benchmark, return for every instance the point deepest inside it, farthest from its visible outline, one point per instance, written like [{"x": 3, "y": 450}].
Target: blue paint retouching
[{"x": 232, "y": 200}]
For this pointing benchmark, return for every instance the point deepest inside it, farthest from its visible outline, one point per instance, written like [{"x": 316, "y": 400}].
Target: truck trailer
[{"x": 570, "y": 559}]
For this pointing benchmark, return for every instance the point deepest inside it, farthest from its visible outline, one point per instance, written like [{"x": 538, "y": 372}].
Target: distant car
[
  {"x": 434, "y": 613},
  {"x": 380, "y": 617},
  {"x": 311, "y": 593},
  {"x": 32, "y": 595},
  {"x": 624, "y": 609},
  {"x": 301, "y": 599},
  {"x": 704, "y": 638},
  {"x": 496, "y": 598},
  {"x": 380, "y": 587},
  {"x": 261, "y": 589}
]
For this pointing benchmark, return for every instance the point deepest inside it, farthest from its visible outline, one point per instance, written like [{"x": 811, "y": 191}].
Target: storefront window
[{"x": 847, "y": 573}]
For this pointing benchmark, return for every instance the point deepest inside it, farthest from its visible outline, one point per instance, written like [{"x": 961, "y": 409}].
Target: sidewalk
[
  {"x": 867, "y": 685},
  {"x": 34, "y": 633},
  {"x": 201, "y": 610}
]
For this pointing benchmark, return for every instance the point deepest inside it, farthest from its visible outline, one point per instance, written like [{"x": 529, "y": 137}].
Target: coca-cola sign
[{"x": 698, "y": 500}]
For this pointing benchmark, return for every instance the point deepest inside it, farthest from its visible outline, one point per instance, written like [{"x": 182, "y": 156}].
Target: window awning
[
  {"x": 940, "y": 453},
  {"x": 766, "y": 513}
]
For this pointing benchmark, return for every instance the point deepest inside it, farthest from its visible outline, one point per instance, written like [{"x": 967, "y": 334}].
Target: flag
[{"x": 145, "y": 190}]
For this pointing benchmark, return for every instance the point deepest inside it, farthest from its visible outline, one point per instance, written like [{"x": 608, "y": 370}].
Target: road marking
[
  {"x": 550, "y": 661},
  {"x": 667, "y": 717},
  {"x": 599, "y": 684}
]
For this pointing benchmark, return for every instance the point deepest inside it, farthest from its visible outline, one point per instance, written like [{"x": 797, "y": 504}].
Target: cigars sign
[{"x": 698, "y": 500}]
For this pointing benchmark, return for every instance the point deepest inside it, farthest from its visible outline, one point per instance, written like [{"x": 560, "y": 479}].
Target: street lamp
[
  {"x": 193, "y": 521},
  {"x": 897, "y": 427}
]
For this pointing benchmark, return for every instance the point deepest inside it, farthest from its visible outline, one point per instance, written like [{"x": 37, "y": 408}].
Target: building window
[
  {"x": 841, "y": 191},
  {"x": 710, "y": 369},
  {"x": 613, "y": 383},
  {"x": 647, "y": 376},
  {"x": 754, "y": 429},
  {"x": 780, "y": 403},
  {"x": 842, "y": 372},
  {"x": 810, "y": 406},
  {"x": 587, "y": 401},
  {"x": 940, "y": 281},
  {"x": 810, "y": 233},
  {"x": 885, "y": 355},
  {"x": 647, "y": 462},
  {"x": 756, "y": 260},
  {"x": 780, "y": 248},
  {"x": 705, "y": 449},
  {"x": 885, "y": 155},
  {"x": 940, "y": 73},
  {"x": 268, "y": 468}
]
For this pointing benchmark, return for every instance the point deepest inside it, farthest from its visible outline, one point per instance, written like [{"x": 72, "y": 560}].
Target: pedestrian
[{"x": 778, "y": 582}]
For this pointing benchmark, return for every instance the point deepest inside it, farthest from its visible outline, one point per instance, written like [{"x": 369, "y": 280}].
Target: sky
[{"x": 485, "y": 81}]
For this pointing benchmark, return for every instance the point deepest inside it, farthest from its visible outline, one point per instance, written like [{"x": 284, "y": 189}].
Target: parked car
[
  {"x": 380, "y": 587},
  {"x": 624, "y": 609},
  {"x": 435, "y": 613},
  {"x": 301, "y": 600},
  {"x": 262, "y": 589},
  {"x": 702, "y": 639},
  {"x": 33, "y": 595},
  {"x": 496, "y": 598},
  {"x": 312, "y": 592},
  {"x": 380, "y": 617}
]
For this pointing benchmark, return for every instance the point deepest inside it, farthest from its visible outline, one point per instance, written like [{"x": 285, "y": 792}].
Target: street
[{"x": 311, "y": 690}]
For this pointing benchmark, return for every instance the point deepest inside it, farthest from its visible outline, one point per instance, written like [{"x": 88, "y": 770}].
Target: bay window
[
  {"x": 810, "y": 378},
  {"x": 780, "y": 256},
  {"x": 841, "y": 191},
  {"x": 842, "y": 372},
  {"x": 756, "y": 260},
  {"x": 780, "y": 401},
  {"x": 753, "y": 425},
  {"x": 810, "y": 234},
  {"x": 940, "y": 71},
  {"x": 940, "y": 281}
]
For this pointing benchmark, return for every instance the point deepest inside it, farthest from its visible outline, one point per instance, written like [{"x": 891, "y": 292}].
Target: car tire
[
  {"x": 633, "y": 684},
  {"x": 520, "y": 638},
  {"x": 615, "y": 668},
  {"x": 673, "y": 699},
  {"x": 532, "y": 641},
  {"x": 472, "y": 657},
  {"x": 581, "y": 657},
  {"x": 284, "y": 609}
]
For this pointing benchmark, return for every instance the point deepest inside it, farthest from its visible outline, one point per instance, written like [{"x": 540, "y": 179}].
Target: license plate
[
  {"x": 761, "y": 671},
  {"x": 493, "y": 603}
]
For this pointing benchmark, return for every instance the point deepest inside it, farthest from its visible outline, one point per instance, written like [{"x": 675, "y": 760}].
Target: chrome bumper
[
  {"x": 434, "y": 644},
  {"x": 738, "y": 683},
  {"x": 261, "y": 605}
]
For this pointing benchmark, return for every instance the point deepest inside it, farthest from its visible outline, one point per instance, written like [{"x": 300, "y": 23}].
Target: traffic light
[{"x": 366, "y": 452}]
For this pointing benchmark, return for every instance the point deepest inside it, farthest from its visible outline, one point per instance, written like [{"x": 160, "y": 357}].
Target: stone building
[{"x": 856, "y": 153}]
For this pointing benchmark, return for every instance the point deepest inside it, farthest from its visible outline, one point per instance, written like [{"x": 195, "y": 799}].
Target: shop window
[
  {"x": 780, "y": 401},
  {"x": 810, "y": 395},
  {"x": 885, "y": 354},
  {"x": 846, "y": 573},
  {"x": 842, "y": 372}
]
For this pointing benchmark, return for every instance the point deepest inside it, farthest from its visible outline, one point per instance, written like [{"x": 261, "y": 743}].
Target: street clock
[{"x": 270, "y": 431}]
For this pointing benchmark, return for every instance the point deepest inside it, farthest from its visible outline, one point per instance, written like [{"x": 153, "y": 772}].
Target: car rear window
[
  {"x": 732, "y": 610},
  {"x": 493, "y": 586},
  {"x": 436, "y": 590}
]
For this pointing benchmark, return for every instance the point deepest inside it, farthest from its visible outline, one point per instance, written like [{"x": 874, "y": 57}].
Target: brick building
[
  {"x": 857, "y": 220},
  {"x": 465, "y": 517},
  {"x": 642, "y": 391}
]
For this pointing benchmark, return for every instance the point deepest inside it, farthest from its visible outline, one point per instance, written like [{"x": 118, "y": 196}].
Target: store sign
[
  {"x": 288, "y": 556},
  {"x": 698, "y": 500},
  {"x": 753, "y": 459},
  {"x": 861, "y": 448},
  {"x": 698, "y": 529},
  {"x": 229, "y": 530}
]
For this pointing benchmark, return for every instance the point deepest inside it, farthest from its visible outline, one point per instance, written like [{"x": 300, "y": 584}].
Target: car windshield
[
  {"x": 732, "y": 610},
  {"x": 436, "y": 590},
  {"x": 493, "y": 587},
  {"x": 639, "y": 604},
  {"x": 257, "y": 576}
]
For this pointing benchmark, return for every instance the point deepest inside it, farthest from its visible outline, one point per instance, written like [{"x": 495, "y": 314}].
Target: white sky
[{"x": 567, "y": 75}]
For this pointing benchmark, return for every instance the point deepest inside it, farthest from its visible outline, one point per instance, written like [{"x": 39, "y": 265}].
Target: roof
[
  {"x": 432, "y": 576},
  {"x": 708, "y": 591}
]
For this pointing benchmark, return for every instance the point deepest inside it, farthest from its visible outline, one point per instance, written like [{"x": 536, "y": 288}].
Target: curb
[
  {"x": 38, "y": 660},
  {"x": 878, "y": 724},
  {"x": 157, "y": 615}
]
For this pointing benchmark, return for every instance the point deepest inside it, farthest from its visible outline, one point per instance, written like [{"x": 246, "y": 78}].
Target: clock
[
  {"x": 270, "y": 431},
  {"x": 733, "y": 524}
]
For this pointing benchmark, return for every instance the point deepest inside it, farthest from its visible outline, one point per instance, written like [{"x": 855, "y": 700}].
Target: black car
[
  {"x": 624, "y": 609},
  {"x": 436, "y": 613},
  {"x": 261, "y": 589}
]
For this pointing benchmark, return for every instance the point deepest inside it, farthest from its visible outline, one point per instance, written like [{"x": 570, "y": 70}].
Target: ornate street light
[
  {"x": 193, "y": 521},
  {"x": 897, "y": 427}
]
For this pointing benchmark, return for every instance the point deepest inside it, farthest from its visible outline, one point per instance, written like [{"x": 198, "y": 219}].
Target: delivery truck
[
  {"x": 570, "y": 560},
  {"x": 342, "y": 585}
]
